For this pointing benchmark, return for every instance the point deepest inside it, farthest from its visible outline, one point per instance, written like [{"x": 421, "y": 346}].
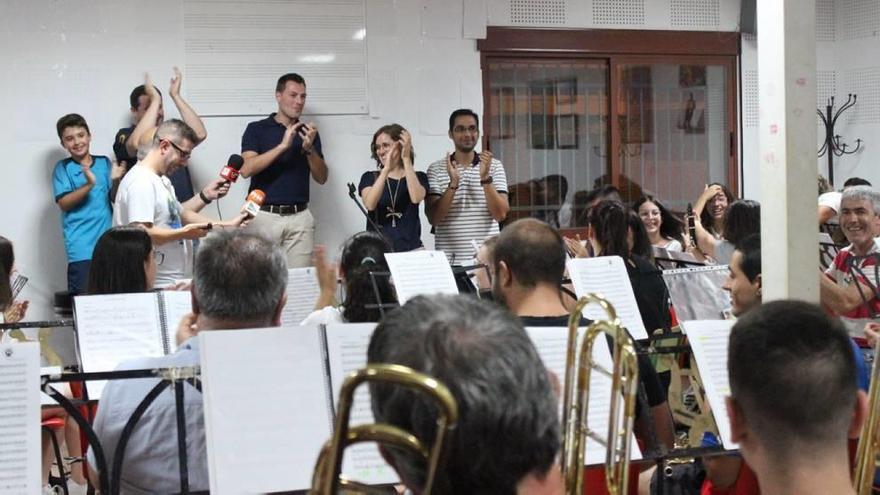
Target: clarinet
[{"x": 691, "y": 225}]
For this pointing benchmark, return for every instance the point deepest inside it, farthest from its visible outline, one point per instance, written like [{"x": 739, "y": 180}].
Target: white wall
[{"x": 847, "y": 44}]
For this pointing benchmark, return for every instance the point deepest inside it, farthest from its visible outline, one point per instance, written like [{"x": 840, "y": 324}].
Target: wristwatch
[{"x": 487, "y": 180}]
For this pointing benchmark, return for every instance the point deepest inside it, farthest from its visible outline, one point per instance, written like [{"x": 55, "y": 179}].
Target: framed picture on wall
[
  {"x": 636, "y": 105},
  {"x": 567, "y": 132},
  {"x": 542, "y": 112}
]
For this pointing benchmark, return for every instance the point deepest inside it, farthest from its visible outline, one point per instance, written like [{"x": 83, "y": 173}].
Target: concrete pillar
[{"x": 787, "y": 146}]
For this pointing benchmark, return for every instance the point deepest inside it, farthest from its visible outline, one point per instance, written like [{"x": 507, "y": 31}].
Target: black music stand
[{"x": 856, "y": 269}]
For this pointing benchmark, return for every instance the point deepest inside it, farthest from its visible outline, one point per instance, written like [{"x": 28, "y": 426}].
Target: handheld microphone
[
  {"x": 254, "y": 202},
  {"x": 230, "y": 172}
]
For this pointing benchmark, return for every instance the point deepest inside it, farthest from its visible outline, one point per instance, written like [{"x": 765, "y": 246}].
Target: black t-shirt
[
  {"x": 652, "y": 296},
  {"x": 396, "y": 213},
  {"x": 180, "y": 179},
  {"x": 647, "y": 374}
]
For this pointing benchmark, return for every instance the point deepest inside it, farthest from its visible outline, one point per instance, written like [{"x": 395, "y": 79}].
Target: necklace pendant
[{"x": 393, "y": 222}]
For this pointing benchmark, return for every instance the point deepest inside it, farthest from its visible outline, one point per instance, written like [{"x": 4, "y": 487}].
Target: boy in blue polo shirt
[{"x": 81, "y": 184}]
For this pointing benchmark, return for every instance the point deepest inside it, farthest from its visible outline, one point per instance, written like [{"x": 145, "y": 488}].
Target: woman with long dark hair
[
  {"x": 362, "y": 253},
  {"x": 711, "y": 207},
  {"x": 392, "y": 193},
  {"x": 609, "y": 230},
  {"x": 664, "y": 229},
  {"x": 742, "y": 219},
  {"x": 123, "y": 262}
]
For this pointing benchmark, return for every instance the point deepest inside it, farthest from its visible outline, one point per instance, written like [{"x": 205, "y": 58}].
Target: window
[{"x": 548, "y": 95}]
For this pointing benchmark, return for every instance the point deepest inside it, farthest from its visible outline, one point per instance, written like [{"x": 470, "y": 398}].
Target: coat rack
[{"x": 833, "y": 145}]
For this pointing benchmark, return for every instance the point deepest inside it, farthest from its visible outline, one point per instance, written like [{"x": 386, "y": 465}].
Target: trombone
[
  {"x": 624, "y": 382},
  {"x": 326, "y": 479},
  {"x": 869, "y": 441}
]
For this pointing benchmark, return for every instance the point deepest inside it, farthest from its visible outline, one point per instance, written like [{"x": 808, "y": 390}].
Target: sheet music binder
[{"x": 113, "y": 328}]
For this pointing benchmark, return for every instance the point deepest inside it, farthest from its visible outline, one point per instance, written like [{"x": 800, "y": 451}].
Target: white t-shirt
[
  {"x": 831, "y": 200},
  {"x": 469, "y": 218},
  {"x": 146, "y": 197},
  {"x": 327, "y": 315}
]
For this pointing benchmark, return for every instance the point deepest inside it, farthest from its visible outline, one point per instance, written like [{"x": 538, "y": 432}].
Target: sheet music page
[
  {"x": 302, "y": 294},
  {"x": 552, "y": 343},
  {"x": 347, "y": 352},
  {"x": 696, "y": 292},
  {"x": 606, "y": 275},
  {"x": 420, "y": 272},
  {"x": 114, "y": 328},
  {"x": 20, "y": 450},
  {"x": 178, "y": 303},
  {"x": 709, "y": 339},
  {"x": 266, "y": 408}
]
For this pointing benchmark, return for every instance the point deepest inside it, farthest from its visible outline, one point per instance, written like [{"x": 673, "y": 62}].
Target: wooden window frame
[{"x": 621, "y": 46}]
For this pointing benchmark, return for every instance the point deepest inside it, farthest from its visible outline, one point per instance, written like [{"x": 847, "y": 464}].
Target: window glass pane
[
  {"x": 673, "y": 130},
  {"x": 548, "y": 123}
]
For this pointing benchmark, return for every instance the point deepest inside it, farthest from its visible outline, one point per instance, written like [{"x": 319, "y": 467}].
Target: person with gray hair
[
  {"x": 146, "y": 197},
  {"x": 508, "y": 433},
  {"x": 849, "y": 282},
  {"x": 240, "y": 282}
]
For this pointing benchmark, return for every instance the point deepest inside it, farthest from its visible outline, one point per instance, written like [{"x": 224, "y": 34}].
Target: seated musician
[
  {"x": 845, "y": 290},
  {"x": 508, "y": 434},
  {"x": 239, "y": 281},
  {"x": 794, "y": 399},
  {"x": 728, "y": 475},
  {"x": 529, "y": 259}
]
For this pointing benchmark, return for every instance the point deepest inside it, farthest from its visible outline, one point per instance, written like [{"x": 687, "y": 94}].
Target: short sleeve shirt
[
  {"x": 840, "y": 272},
  {"x": 85, "y": 223},
  {"x": 831, "y": 200},
  {"x": 286, "y": 180},
  {"x": 396, "y": 213},
  {"x": 469, "y": 218},
  {"x": 146, "y": 197}
]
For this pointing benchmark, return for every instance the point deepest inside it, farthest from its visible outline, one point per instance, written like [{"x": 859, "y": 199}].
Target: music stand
[{"x": 856, "y": 269}]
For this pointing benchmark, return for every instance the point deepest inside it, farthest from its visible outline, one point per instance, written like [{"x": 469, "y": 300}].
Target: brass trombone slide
[
  {"x": 326, "y": 479},
  {"x": 624, "y": 378}
]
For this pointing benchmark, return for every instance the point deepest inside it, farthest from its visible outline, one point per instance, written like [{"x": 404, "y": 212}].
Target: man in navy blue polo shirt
[{"x": 280, "y": 153}]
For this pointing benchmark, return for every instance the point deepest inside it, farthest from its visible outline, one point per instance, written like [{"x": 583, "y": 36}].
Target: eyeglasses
[
  {"x": 183, "y": 154},
  {"x": 460, "y": 129}
]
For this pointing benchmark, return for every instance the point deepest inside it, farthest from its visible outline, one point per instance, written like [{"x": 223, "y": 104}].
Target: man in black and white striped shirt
[{"x": 467, "y": 194}]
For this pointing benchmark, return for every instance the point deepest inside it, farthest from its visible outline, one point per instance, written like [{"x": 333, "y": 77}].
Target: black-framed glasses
[
  {"x": 460, "y": 129},
  {"x": 183, "y": 154}
]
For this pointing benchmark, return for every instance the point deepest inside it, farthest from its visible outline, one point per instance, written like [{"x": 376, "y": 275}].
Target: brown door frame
[{"x": 617, "y": 47}]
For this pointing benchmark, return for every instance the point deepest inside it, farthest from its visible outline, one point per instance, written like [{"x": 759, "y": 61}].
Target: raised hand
[
  {"x": 405, "y": 147},
  {"x": 149, "y": 88},
  {"x": 308, "y": 133},
  {"x": 452, "y": 170},
  {"x": 485, "y": 163},
  {"x": 176, "y": 80},
  {"x": 90, "y": 176},
  {"x": 117, "y": 170},
  {"x": 325, "y": 271},
  {"x": 291, "y": 131}
]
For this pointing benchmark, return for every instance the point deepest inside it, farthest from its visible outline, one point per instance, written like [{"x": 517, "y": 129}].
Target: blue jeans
[{"x": 78, "y": 277}]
